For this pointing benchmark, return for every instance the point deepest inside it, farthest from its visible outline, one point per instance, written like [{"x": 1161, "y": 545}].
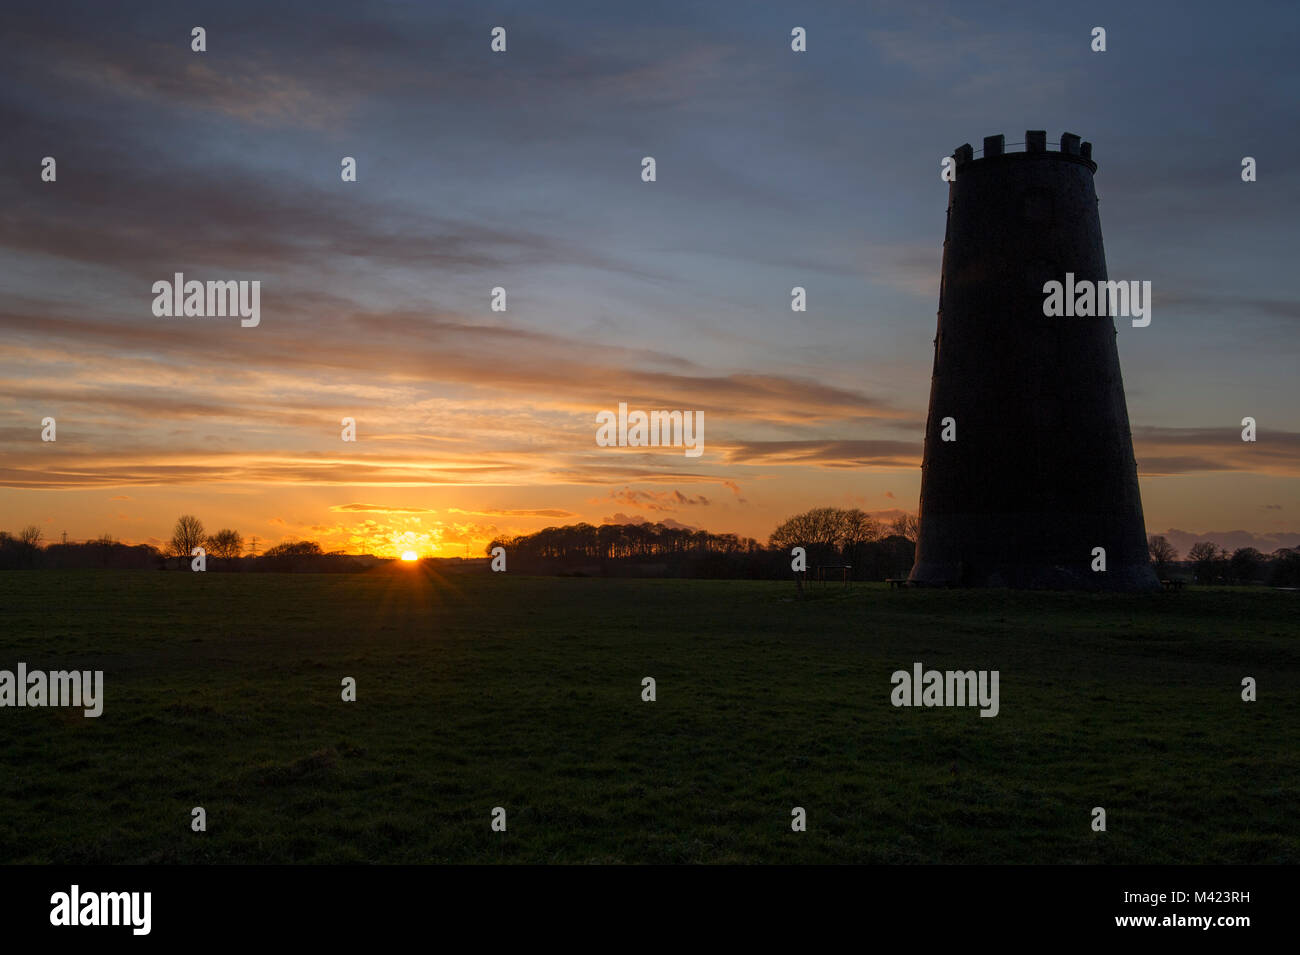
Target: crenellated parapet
[{"x": 1070, "y": 147}]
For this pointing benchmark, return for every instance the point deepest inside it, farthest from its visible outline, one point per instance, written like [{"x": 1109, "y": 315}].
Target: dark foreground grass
[{"x": 223, "y": 691}]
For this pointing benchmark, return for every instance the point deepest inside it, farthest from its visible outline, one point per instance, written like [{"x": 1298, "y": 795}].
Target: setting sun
[{"x": 410, "y": 555}]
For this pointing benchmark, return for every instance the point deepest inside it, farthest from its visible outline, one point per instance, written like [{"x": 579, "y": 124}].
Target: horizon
[{"x": 1181, "y": 541}]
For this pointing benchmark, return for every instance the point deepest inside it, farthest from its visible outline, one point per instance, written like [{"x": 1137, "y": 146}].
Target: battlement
[{"x": 1070, "y": 147}]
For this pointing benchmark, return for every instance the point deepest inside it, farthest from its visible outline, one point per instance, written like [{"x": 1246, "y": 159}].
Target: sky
[{"x": 522, "y": 170}]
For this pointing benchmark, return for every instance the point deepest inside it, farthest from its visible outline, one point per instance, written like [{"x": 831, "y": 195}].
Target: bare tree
[
  {"x": 30, "y": 536},
  {"x": 906, "y": 525},
  {"x": 1162, "y": 552},
  {"x": 821, "y": 527},
  {"x": 829, "y": 529},
  {"x": 225, "y": 543},
  {"x": 187, "y": 535},
  {"x": 859, "y": 527},
  {"x": 1207, "y": 558}
]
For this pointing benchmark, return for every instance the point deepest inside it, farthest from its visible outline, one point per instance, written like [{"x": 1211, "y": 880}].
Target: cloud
[
  {"x": 253, "y": 222},
  {"x": 152, "y": 457},
  {"x": 405, "y": 348},
  {"x": 621, "y": 518},
  {"x": 517, "y": 512},
  {"x": 382, "y": 509},
  {"x": 1286, "y": 311},
  {"x": 654, "y": 500},
  {"x": 970, "y": 62},
  {"x": 1168, "y": 451},
  {"x": 244, "y": 89},
  {"x": 912, "y": 268},
  {"x": 827, "y": 453}
]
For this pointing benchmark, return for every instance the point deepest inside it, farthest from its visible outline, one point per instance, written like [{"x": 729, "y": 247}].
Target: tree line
[
  {"x": 225, "y": 547},
  {"x": 841, "y": 541},
  {"x": 1211, "y": 564},
  {"x": 838, "y": 541}
]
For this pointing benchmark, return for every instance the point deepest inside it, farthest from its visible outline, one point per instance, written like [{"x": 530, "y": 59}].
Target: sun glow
[{"x": 398, "y": 536}]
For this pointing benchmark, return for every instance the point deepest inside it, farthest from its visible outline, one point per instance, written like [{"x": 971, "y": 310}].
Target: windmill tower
[{"x": 1028, "y": 465}]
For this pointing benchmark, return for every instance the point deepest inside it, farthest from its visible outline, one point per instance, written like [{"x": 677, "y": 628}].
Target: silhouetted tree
[
  {"x": 225, "y": 543},
  {"x": 12, "y": 552},
  {"x": 1162, "y": 553},
  {"x": 1285, "y": 567},
  {"x": 22, "y": 551},
  {"x": 820, "y": 531},
  {"x": 831, "y": 530},
  {"x": 1207, "y": 560},
  {"x": 294, "y": 549},
  {"x": 1245, "y": 564},
  {"x": 907, "y": 526},
  {"x": 671, "y": 551},
  {"x": 187, "y": 535}
]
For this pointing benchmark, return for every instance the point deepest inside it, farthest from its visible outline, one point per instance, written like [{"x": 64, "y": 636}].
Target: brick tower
[{"x": 1041, "y": 471}]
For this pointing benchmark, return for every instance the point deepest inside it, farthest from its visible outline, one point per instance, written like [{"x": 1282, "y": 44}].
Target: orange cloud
[
  {"x": 653, "y": 500},
  {"x": 381, "y": 509}
]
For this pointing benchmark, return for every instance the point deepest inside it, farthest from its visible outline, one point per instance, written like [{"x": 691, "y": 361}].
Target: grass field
[{"x": 223, "y": 691}]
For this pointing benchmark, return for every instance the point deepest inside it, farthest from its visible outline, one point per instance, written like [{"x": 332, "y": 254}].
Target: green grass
[{"x": 223, "y": 691}]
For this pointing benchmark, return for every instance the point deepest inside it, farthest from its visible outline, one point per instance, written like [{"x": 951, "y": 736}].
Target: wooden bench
[
  {"x": 1172, "y": 584},
  {"x": 896, "y": 583},
  {"x": 827, "y": 572}
]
